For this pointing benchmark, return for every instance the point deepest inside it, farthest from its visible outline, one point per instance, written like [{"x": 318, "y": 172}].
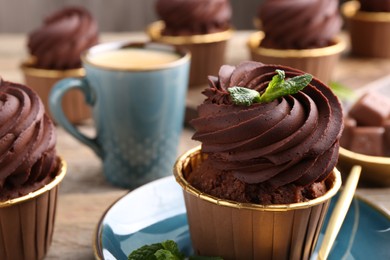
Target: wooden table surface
[{"x": 85, "y": 195}]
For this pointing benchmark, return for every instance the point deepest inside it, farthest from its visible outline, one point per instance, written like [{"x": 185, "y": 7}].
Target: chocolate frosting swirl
[
  {"x": 299, "y": 24},
  {"x": 191, "y": 17},
  {"x": 293, "y": 139},
  {"x": 375, "y": 5},
  {"x": 58, "y": 43},
  {"x": 27, "y": 142}
]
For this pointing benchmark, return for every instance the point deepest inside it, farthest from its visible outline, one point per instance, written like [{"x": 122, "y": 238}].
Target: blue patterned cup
[{"x": 137, "y": 92}]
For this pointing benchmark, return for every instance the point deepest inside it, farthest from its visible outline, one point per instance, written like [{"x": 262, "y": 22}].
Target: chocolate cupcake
[
  {"x": 201, "y": 26},
  {"x": 301, "y": 34},
  {"x": 30, "y": 172},
  {"x": 368, "y": 24},
  {"x": 259, "y": 186},
  {"x": 55, "y": 50}
]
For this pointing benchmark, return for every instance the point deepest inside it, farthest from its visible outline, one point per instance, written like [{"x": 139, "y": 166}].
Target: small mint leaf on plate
[
  {"x": 172, "y": 247},
  {"x": 167, "y": 250},
  {"x": 164, "y": 254},
  {"x": 145, "y": 252}
]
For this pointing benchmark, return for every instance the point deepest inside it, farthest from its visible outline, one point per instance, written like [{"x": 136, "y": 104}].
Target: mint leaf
[
  {"x": 277, "y": 79},
  {"x": 278, "y": 87},
  {"x": 164, "y": 254},
  {"x": 145, "y": 252},
  {"x": 171, "y": 246},
  {"x": 167, "y": 250},
  {"x": 244, "y": 96}
]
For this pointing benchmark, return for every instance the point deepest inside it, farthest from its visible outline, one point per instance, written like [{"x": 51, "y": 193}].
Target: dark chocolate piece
[
  {"x": 367, "y": 140},
  {"x": 349, "y": 125},
  {"x": 386, "y": 137},
  {"x": 371, "y": 109}
]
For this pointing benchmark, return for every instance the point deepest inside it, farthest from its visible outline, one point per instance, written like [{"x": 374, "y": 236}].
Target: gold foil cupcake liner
[
  {"x": 235, "y": 230},
  {"x": 317, "y": 61},
  {"x": 207, "y": 50},
  {"x": 42, "y": 81},
  {"x": 256, "y": 38},
  {"x": 369, "y": 31},
  {"x": 27, "y": 222},
  {"x": 155, "y": 33},
  {"x": 29, "y": 69},
  {"x": 351, "y": 10}
]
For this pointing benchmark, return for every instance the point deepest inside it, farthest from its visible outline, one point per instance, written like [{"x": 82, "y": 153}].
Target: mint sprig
[
  {"x": 146, "y": 252},
  {"x": 276, "y": 88},
  {"x": 167, "y": 250}
]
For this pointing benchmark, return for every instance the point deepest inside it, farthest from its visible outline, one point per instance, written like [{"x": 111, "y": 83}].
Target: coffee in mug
[{"x": 132, "y": 58}]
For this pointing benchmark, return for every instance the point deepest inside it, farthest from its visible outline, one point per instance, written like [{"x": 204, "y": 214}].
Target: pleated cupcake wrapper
[
  {"x": 250, "y": 231},
  {"x": 27, "y": 223},
  {"x": 320, "y": 62},
  {"x": 42, "y": 81},
  {"x": 369, "y": 31},
  {"x": 207, "y": 51}
]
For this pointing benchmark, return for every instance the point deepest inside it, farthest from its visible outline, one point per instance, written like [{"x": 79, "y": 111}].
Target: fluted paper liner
[
  {"x": 319, "y": 62},
  {"x": 27, "y": 222},
  {"x": 207, "y": 50},
  {"x": 235, "y": 230},
  {"x": 42, "y": 81},
  {"x": 369, "y": 31}
]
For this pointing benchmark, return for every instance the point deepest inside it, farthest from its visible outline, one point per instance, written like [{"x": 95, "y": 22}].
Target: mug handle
[{"x": 55, "y": 106}]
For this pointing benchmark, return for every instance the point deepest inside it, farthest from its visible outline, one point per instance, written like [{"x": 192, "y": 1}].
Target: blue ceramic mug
[{"x": 137, "y": 92}]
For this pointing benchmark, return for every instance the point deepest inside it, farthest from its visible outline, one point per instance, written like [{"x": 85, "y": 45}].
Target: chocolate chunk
[
  {"x": 349, "y": 124},
  {"x": 367, "y": 140},
  {"x": 371, "y": 109},
  {"x": 387, "y": 137}
]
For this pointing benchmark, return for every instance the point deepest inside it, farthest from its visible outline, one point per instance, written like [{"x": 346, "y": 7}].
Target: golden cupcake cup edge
[
  {"x": 235, "y": 230},
  {"x": 317, "y": 61},
  {"x": 30, "y": 221}
]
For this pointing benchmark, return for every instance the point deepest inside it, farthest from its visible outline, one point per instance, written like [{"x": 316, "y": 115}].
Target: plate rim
[{"x": 97, "y": 241}]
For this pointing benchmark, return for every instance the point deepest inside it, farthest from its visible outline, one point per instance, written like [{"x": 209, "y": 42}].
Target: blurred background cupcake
[
  {"x": 202, "y": 26},
  {"x": 368, "y": 24},
  {"x": 55, "y": 50},
  {"x": 30, "y": 172},
  {"x": 300, "y": 34}
]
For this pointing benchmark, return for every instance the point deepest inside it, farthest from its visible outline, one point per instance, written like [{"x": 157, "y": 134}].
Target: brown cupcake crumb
[{"x": 224, "y": 185}]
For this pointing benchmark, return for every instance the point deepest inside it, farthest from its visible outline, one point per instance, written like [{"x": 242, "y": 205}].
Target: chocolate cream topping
[
  {"x": 299, "y": 24},
  {"x": 375, "y": 5},
  {"x": 64, "y": 35},
  {"x": 191, "y": 17},
  {"x": 27, "y": 142},
  {"x": 293, "y": 139}
]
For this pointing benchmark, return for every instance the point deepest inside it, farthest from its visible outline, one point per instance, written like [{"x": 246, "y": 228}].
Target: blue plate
[{"x": 155, "y": 212}]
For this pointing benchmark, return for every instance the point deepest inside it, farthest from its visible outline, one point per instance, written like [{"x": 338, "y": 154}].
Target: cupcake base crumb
[{"x": 223, "y": 185}]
